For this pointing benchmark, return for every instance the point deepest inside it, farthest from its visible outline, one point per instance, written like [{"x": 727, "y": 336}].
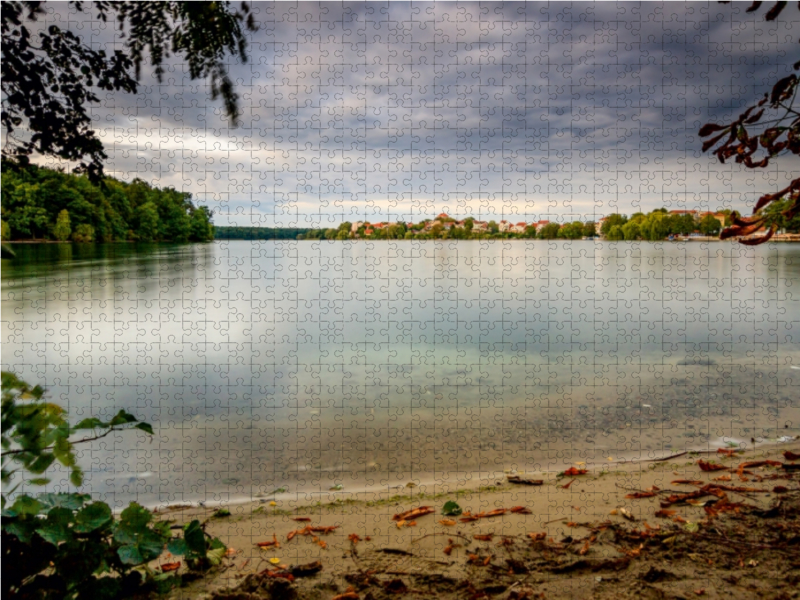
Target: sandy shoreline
[{"x": 366, "y": 539}]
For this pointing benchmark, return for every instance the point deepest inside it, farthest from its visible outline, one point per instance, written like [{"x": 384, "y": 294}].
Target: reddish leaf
[
  {"x": 572, "y": 471},
  {"x": 709, "y": 466}
]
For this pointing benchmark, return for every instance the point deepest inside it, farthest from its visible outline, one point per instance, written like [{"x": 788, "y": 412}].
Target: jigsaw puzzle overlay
[{"x": 339, "y": 373}]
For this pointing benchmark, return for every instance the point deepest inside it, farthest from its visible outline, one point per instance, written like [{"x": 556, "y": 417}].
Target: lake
[{"x": 309, "y": 365}]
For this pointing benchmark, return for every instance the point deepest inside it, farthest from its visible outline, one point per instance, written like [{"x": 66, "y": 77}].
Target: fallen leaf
[
  {"x": 709, "y": 466},
  {"x": 273, "y": 544},
  {"x": 273, "y": 503},
  {"x": 520, "y": 510},
  {"x": 723, "y": 478},
  {"x": 447, "y": 522},
  {"x": 301, "y": 519},
  {"x": 789, "y": 455},
  {"x": 635, "y": 495},
  {"x": 275, "y": 561},
  {"x": 413, "y": 513},
  {"x": 484, "y": 537},
  {"x": 663, "y": 514},
  {"x": 566, "y": 485},
  {"x": 167, "y": 567},
  {"x": 230, "y": 552},
  {"x": 572, "y": 471}
]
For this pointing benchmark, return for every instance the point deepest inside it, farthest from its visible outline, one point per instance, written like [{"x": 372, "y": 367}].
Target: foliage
[
  {"x": 451, "y": 509},
  {"x": 50, "y": 77},
  {"x": 62, "y": 229},
  {"x": 549, "y": 231},
  {"x": 84, "y": 233},
  {"x": 776, "y": 136},
  {"x": 611, "y": 221},
  {"x": 40, "y": 202},
  {"x": 616, "y": 234},
  {"x": 709, "y": 225},
  {"x": 64, "y": 545}
]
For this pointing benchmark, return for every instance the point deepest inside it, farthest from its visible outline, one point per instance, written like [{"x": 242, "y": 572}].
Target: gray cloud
[{"x": 397, "y": 110}]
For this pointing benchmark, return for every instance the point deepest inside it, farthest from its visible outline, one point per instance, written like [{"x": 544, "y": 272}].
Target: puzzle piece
[{"x": 319, "y": 389}]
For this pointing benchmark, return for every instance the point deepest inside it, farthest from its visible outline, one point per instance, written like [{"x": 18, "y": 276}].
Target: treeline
[
  {"x": 260, "y": 233},
  {"x": 660, "y": 224},
  {"x": 45, "y": 204},
  {"x": 448, "y": 228}
]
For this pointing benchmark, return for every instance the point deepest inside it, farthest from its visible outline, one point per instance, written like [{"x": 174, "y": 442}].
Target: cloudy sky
[{"x": 394, "y": 111}]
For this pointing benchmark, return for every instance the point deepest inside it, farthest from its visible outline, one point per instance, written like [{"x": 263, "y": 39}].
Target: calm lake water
[{"x": 369, "y": 365}]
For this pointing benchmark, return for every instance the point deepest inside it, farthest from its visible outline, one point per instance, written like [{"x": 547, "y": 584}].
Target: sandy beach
[{"x": 709, "y": 525}]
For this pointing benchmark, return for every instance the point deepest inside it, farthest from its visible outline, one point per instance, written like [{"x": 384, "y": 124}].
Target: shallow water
[{"x": 367, "y": 364}]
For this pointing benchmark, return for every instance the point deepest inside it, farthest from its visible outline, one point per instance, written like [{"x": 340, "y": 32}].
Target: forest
[{"x": 46, "y": 204}]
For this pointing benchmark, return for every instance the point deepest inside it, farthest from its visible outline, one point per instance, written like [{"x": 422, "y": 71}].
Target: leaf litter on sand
[{"x": 720, "y": 527}]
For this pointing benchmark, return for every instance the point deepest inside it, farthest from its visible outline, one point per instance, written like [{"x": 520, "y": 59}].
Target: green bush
[{"x": 66, "y": 545}]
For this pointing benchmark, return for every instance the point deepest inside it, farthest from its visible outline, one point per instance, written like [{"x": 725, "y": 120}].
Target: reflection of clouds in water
[{"x": 528, "y": 363}]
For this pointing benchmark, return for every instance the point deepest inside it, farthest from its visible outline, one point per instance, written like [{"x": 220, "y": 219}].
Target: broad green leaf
[
  {"x": 130, "y": 555},
  {"x": 177, "y": 546},
  {"x": 692, "y": 527},
  {"x": 39, "y": 481},
  {"x": 71, "y": 501},
  {"x": 56, "y": 527},
  {"x": 135, "y": 516},
  {"x": 215, "y": 556},
  {"x": 195, "y": 540},
  {"x": 451, "y": 509},
  {"x": 24, "y": 505},
  {"x": 23, "y": 529},
  {"x": 146, "y": 427},
  {"x": 92, "y": 517}
]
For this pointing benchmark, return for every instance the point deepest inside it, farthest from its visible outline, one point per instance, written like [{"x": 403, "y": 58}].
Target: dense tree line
[
  {"x": 45, "y": 204},
  {"x": 260, "y": 233}
]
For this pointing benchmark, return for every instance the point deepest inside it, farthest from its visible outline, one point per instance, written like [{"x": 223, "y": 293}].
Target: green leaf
[
  {"x": 146, "y": 427},
  {"x": 215, "y": 556},
  {"x": 76, "y": 476},
  {"x": 121, "y": 418},
  {"x": 24, "y": 505},
  {"x": 451, "y": 509},
  {"x": 195, "y": 540},
  {"x": 56, "y": 527},
  {"x": 135, "y": 516},
  {"x": 42, "y": 462},
  {"x": 91, "y": 423},
  {"x": 39, "y": 481},
  {"x": 177, "y": 546},
  {"x": 23, "y": 529},
  {"x": 130, "y": 555},
  {"x": 92, "y": 517},
  {"x": 692, "y": 527},
  {"x": 71, "y": 501}
]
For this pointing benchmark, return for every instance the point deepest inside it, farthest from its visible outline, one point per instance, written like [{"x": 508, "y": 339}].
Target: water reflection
[{"x": 272, "y": 363}]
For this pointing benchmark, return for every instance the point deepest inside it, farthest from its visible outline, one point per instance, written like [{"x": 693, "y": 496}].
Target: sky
[{"x": 400, "y": 111}]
